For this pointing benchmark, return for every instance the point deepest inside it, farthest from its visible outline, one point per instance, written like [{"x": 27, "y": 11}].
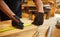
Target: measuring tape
[{"x": 11, "y": 28}]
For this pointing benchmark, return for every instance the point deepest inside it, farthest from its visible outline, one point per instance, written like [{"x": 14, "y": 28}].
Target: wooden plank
[
  {"x": 55, "y": 32},
  {"x": 30, "y": 30},
  {"x": 26, "y": 29}
]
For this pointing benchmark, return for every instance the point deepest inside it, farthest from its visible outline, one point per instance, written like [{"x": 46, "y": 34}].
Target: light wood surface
[
  {"x": 55, "y": 32},
  {"x": 28, "y": 31}
]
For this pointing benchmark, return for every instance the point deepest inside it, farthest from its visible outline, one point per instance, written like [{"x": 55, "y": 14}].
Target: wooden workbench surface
[
  {"x": 18, "y": 30},
  {"x": 30, "y": 30}
]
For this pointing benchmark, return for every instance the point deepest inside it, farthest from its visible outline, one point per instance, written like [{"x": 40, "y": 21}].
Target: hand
[
  {"x": 16, "y": 22},
  {"x": 38, "y": 19}
]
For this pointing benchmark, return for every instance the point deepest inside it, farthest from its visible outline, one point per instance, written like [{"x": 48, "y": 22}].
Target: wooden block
[
  {"x": 55, "y": 32},
  {"x": 28, "y": 31}
]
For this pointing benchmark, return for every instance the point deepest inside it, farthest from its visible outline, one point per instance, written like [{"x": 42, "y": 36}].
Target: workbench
[
  {"x": 28, "y": 31},
  {"x": 31, "y": 30}
]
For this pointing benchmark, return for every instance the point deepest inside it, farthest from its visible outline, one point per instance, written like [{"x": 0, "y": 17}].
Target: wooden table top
[{"x": 8, "y": 23}]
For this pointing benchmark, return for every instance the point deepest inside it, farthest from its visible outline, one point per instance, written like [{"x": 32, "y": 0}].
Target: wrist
[
  {"x": 40, "y": 12},
  {"x": 15, "y": 18}
]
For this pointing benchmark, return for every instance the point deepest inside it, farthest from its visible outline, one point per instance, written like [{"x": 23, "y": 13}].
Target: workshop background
[{"x": 48, "y": 29}]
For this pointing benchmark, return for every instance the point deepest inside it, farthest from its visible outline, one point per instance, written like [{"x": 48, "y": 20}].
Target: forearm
[
  {"x": 39, "y": 5},
  {"x": 0, "y": 0},
  {"x": 6, "y": 9}
]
